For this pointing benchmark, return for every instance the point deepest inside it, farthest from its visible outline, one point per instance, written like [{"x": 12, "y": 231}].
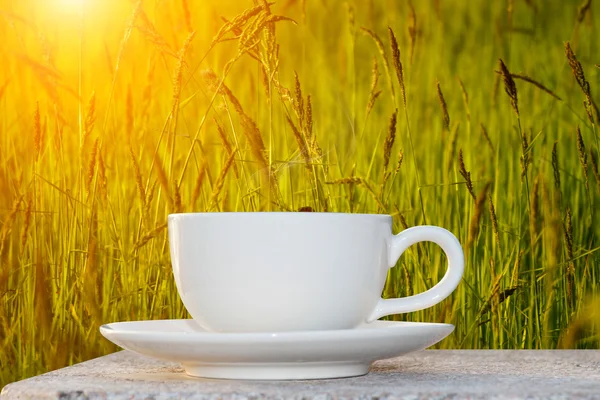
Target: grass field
[{"x": 114, "y": 114}]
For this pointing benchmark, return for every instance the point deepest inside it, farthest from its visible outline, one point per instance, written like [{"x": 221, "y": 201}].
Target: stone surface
[{"x": 437, "y": 374}]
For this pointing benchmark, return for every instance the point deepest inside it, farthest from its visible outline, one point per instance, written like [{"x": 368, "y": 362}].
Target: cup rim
[{"x": 296, "y": 214}]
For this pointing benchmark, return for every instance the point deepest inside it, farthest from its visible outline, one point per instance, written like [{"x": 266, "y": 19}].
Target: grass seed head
[
  {"x": 494, "y": 220},
  {"x": 220, "y": 182},
  {"x": 583, "y": 158},
  {"x": 26, "y": 223},
  {"x": 465, "y": 174},
  {"x": 92, "y": 166},
  {"x": 386, "y": 65},
  {"x": 555, "y": 166},
  {"x": 389, "y": 141},
  {"x": 90, "y": 119},
  {"x": 397, "y": 64},
  {"x": 526, "y": 157},
  {"x": 595, "y": 171},
  {"x": 373, "y": 93},
  {"x": 198, "y": 185},
  {"x": 309, "y": 118},
  {"x": 474, "y": 225},
  {"x": 583, "y": 9},
  {"x": 445, "y": 115},
  {"x": 298, "y": 100},
  {"x": 509, "y": 87},
  {"x": 590, "y": 106},
  {"x": 399, "y": 162}
]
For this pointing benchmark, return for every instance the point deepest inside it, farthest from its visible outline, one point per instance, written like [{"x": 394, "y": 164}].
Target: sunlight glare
[{"x": 72, "y": 4}]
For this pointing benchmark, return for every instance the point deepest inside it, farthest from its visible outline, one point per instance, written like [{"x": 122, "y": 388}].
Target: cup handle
[{"x": 456, "y": 261}]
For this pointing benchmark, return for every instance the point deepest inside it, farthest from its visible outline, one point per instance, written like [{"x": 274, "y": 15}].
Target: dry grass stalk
[
  {"x": 412, "y": 29},
  {"x": 486, "y": 135},
  {"x": 90, "y": 119},
  {"x": 223, "y": 137},
  {"x": 92, "y": 283},
  {"x": 147, "y": 28},
  {"x": 42, "y": 298},
  {"x": 218, "y": 187},
  {"x": 594, "y": 159},
  {"x": 226, "y": 145},
  {"x": 509, "y": 87},
  {"x": 298, "y": 100},
  {"x": 526, "y": 158},
  {"x": 199, "y": 181},
  {"x": 37, "y": 132},
  {"x": 534, "y": 210},
  {"x": 91, "y": 166},
  {"x": 389, "y": 141},
  {"x": 103, "y": 186},
  {"x": 137, "y": 173},
  {"x": 147, "y": 94},
  {"x": 249, "y": 127},
  {"x": 373, "y": 93},
  {"x": 151, "y": 235},
  {"x": 465, "y": 174},
  {"x": 187, "y": 16},
  {"x": 161, "y": 175},
  {"x": 237, "y": 23},
  {"x": 498, "y": 297},
  {"x": 353, "y": 180},
  {"x": 26, "y": 223},
  {"x": 555, "y": 166},
  {"x": 452, "y": 147},
  {"x": 536, "y": 84},
  {"x": 583, "y": 9},
  {"x": 178, "y": 77},
  {"x": 397, "y": 64},
  {"x": 445, "y": 115},
  {"x": 149, "y": 197},
  {"x": 494, "y": 220},
  {"x": 583, "y": 158},
  {"x": 249, "y": 39},
  {"x": 399, "y": 162},
  {"x": 346, "y": 181},
  {"x": 9, "y": 221},
  {"x": 177, "y": 203},
  {"x": 137, "y": 8},
  {"x": 474, "y": 225},
  {"x": 465, "y": 100},
  {"x": 570, "y": 272},
  {"x": 579, "y": 75},
  {"x": 309, "y": 120},
  {"x": 386, "y": 65},
  {"x": 251, "y": 131},
  {"x": 403, "y": 221},
  {"x": 302, "y": 146}
]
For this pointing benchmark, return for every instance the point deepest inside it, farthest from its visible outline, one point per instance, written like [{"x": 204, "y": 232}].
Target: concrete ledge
[{"x": 436, "y": 374}]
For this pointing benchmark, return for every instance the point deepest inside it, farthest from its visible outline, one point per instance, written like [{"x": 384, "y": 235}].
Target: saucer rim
[{"x": 383, "y": 327}]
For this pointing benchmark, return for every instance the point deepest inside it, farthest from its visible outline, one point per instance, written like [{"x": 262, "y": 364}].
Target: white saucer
[{"x": 285, "y": 355}]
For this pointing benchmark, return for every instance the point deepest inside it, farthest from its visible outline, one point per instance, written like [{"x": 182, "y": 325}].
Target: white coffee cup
[{"x": 280, "y": 271}]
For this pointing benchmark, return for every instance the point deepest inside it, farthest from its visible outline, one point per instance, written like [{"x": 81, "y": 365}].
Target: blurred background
[{"x": 477, "y": 116}]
